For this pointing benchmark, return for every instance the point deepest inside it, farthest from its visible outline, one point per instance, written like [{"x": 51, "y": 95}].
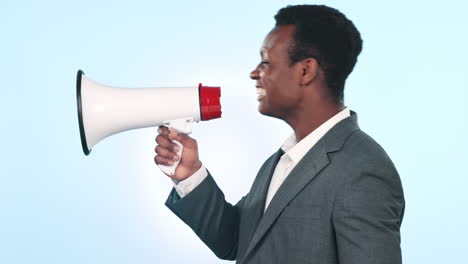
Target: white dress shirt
[
  {"x": 293, "y": 152},
  {"x": 186, "y": 186}
]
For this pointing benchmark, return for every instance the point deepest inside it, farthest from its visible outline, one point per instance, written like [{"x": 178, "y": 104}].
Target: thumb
[{"x": 184, "y": 139}]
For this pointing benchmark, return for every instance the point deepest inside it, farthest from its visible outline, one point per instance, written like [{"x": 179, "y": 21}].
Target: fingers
[
  {"x": 168, "y": 134},
  {"x": 163, "y": 161},
  {"x": 164, "y": 141},
  {"x": 185, "y": 140},
  {"x": 166, "y": 150},
  {"x": 164, "y": 153}
]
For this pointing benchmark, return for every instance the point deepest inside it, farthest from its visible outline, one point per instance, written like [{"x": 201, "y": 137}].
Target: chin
[
  {"x": 268, "y": 111},
  {"x": 264, "y": 111}
]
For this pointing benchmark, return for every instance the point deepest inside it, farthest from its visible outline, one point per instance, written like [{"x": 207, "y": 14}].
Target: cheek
[
  {"x": 270, "y": 79},
  {"x": 280, "y": 86}
]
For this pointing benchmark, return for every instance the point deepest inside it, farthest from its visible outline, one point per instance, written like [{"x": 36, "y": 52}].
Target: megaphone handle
[
  {"x": 181, "y": 125},
  {"x": 171, "y": 169}
]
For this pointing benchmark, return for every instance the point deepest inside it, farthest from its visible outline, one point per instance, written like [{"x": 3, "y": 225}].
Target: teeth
[{"x": 261, "y": 91}]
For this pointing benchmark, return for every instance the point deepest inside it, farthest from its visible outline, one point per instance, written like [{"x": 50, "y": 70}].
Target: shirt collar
[{"x": 297, "y": 150}]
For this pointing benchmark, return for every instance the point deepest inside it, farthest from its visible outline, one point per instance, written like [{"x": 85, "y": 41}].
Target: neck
[{"x": 309, "y": 120}]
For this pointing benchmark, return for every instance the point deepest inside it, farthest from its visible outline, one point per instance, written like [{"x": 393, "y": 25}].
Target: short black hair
[{"x": 323, "y": 33}]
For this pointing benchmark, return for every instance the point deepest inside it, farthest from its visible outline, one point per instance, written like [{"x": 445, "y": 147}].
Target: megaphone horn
[{"x": 104, "y": 111}]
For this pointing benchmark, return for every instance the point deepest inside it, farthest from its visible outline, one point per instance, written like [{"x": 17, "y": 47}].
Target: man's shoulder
[
  {"x": 363, "y": 159},
  {"x": 362, "y": 149},
  {"x": 362, "y": 144}
]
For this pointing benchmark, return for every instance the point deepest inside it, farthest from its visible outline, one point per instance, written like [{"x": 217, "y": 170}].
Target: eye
[{"x": 264, "y": 64}]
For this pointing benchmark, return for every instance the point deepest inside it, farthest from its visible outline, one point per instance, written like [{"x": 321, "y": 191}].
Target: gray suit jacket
[{"x": 342, "y": 203}]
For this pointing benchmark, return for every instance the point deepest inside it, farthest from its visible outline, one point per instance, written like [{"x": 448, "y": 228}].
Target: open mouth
[{"x": 261, "y": 93}]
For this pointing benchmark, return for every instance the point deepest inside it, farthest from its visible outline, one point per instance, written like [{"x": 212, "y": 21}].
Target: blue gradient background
[{"x": 59, "y": 206}]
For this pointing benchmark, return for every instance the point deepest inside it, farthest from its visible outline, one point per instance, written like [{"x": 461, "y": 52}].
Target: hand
[{"x": 166, "y": 151}]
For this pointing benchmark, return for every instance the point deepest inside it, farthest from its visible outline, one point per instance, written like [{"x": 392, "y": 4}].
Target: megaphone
[{"x": 104, "y": 111}]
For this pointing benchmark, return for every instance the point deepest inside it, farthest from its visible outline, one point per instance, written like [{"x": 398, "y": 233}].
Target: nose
[{"x": 254, "y": 75}]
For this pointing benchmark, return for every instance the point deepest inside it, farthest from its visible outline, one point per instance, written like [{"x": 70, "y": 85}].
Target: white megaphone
[{"x": 104, "y": 111}]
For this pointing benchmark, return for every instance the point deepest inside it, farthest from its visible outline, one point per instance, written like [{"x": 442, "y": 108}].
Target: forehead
[{"x": 279, "y": 39}]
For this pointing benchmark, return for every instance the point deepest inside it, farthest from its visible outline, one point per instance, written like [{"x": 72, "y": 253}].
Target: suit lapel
[
  {"x": 305, "y": 171},
  {"x": 255, "y": 207},
  {"x": 263, "y": 185},
  {"x": 302, "y": 174}
]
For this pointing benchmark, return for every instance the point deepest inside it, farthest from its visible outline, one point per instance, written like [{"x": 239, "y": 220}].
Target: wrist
[
  {"x": 196, "y": 166},
  {"x": 188, "y": 171}
]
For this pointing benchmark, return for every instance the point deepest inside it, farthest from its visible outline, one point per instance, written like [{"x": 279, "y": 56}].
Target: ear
[{"x": 310, "y": 70}]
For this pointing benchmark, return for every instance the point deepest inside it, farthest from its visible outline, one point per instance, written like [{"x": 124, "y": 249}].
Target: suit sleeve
[
  {"x": 367, "y": 217},
  {"x": 213, "y": 219}
]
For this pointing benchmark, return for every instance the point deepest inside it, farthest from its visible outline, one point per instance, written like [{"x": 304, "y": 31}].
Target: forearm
[{"x": 214, "y": 220}]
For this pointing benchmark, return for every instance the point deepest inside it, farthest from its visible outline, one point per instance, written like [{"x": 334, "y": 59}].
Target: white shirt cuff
[{"x": 186, "y": 186}]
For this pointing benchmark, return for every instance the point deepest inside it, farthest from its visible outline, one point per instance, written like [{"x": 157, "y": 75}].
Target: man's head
[{"x": 311, "y": 45}]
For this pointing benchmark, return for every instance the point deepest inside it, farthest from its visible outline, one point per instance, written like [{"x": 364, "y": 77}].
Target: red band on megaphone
[{"x": 210, "y": 107}]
